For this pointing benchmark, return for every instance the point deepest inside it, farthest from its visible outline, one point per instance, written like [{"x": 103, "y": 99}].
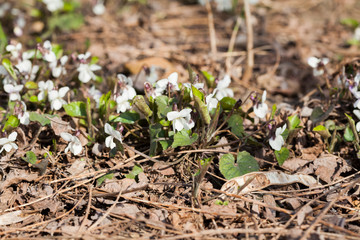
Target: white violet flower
[
  {"x": 222, "y": 88},
  {"x": 211, "y": 101},
  {"x": 55, "y": 97},
  {"x": 48, "y": 54},
  {"x": 74, "y": 143},
  {"x": 27, "y": 69},
  {"x": 24, "y": 116},
  {"x": 181, "y": 120},
  {"x": 122, "y": 102},
  {"x": 8, "y": 143},
  {"x": 261, "y": 109},
  {"x": 357, "y": 114},
  {"x": 56, "y": 71},
  {"x": 109, "y": 141},
  {"x": 86, "y": 70},
  {"x": 14, "y": 49},
  {"x": 126, "y": 85},
  {"x": 44, "y": 87},
  {"x": 317, "y": 64},
  {"x": 53, "y": 5},
  {"x": 13, "y": 91},
  {"x": 99, "y": 7},
  {"x": 163, "y": 84},
  {"x": 277, "y": 141}
]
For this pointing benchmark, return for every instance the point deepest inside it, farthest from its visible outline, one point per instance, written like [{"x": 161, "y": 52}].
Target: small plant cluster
[
  {"x": 43, "y": 84},
  {"x": 347, "y": 89}
]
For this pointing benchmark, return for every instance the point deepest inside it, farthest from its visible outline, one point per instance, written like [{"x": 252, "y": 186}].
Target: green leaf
[
  {"x": 66, "y": 22},
  {"x": 316, "y": 113},
  {"x": 273, "y": 111},
  {"x": 235, "y": 122},
  {"x": 140, "y": 103},
  {"x": 103, "y": 103},
  {"x": 163, "y": 106},
  {"x": 43, "y": 119},
  {"x": 294, "y": 122},
  {"x": 127, "y": 117},
  {"x": 30, "y": 157},
  {"x": 221, "y": 203},
  {"x": 156, "y": 131},
  {"x": 201, "y": 106},
  {"x": 182, "y": 138},
  {"x": 9, "y": 67},
  {"x": 330, "y": 124},
  {"x": 348, "y": 134},
  {"x": 3, "y": 39},
  {"x": 227, "y": 103},
  {"x": 101, "y": 179},
  {"x": 245, "y": 164},
  {"x": 323, "y": 131},
  {"x": 350, "y": 22},
  {"x": 134, "y": 172},
  {"x": 282, "y": 155},
  {"x": 31, "y": 85},
  {"x": 11, "y": 123},
  {"x": 210, "y": 79},
  {"x": 196, "y": 92},
  {"x": 75, "y": 109}
]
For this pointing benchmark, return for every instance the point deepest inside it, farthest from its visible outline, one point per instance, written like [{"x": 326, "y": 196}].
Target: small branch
[
  {"x": 249, "y": 45},
  {"x": 211, "y": 29}
]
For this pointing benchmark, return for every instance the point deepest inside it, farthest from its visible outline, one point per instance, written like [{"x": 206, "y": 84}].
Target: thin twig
[
  {"x": 249, "y": 43},
  {"x": 211, "y": 29}
]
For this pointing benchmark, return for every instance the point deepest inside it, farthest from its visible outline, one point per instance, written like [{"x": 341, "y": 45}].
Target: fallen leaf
[
  {"x": 329, "y": 167},
  {"x": 59, "y": 126},
  {"x": 16, "y": 176},
  {"x": 259, "y": 180},
  {"x": 77, "y": 167},
  {"x": 12, "y": 217},
  {"x": 163, "y": 169},
  {"x": 302, "y": 213}
]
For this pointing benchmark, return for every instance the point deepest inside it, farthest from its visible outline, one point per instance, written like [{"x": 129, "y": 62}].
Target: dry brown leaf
[
  {"x": 59, "y": 126},
  {"x": 136, "y": 66},
  {"x": 270, "y": 213},
  {"x": 77, "y": 167},
  {"x": 260, "y": 180},
  {"x": 163, "y": 169},
  {"x": 302, "y": 213},
  {"x": 294, "y": 202},
  {"x": 12, "y": 217},
  {"x": 329, "y": 167},
  {"x": 294, "y": 164},
  {"x": 17, "y": 176},
  {"x": 126, "y": 209}
]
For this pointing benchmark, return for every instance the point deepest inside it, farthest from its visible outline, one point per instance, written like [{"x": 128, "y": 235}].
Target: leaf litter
[{"x": 317, "y": 198}]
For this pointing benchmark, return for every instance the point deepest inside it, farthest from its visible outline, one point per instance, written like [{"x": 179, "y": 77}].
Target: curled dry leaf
[{"x": 258, "y": 180}]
